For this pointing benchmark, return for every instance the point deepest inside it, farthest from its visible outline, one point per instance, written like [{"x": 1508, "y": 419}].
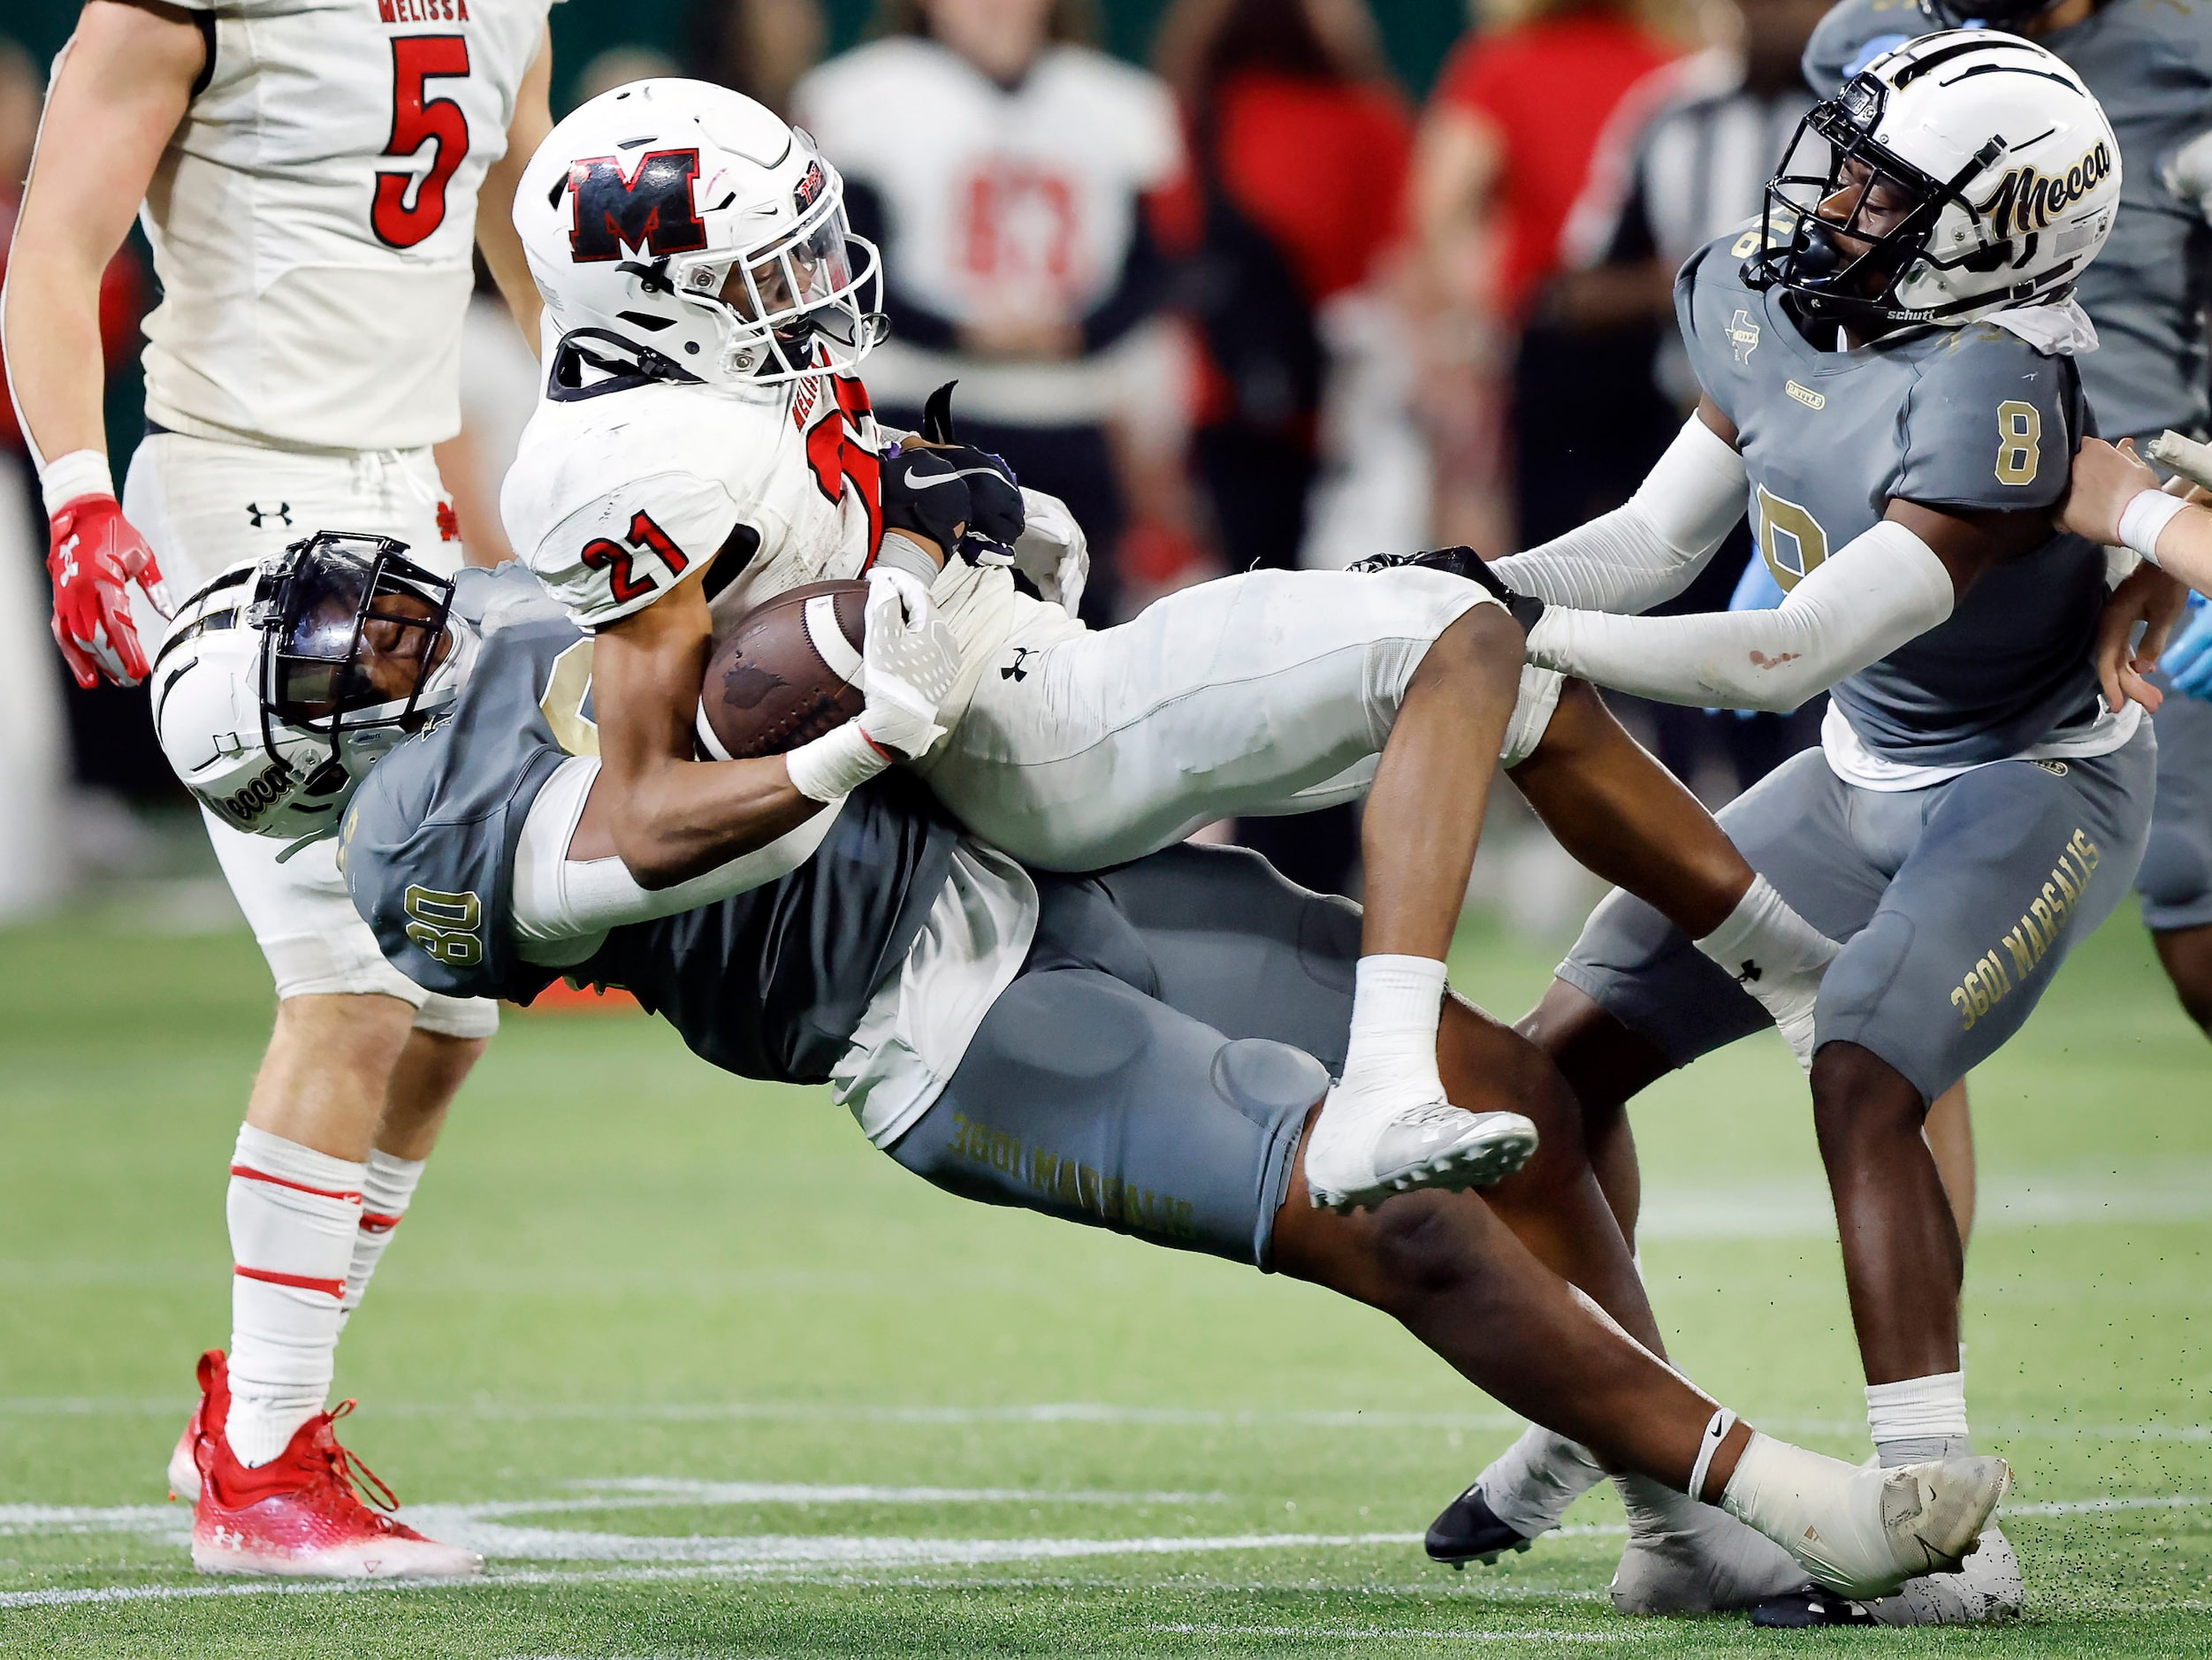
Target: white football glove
[
  {"x": 1053, "y": 551},
  {"x": 908, "y": 663}
]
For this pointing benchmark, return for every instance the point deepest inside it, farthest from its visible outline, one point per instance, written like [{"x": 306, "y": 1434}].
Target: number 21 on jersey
[{"x": 419, "y": 118}]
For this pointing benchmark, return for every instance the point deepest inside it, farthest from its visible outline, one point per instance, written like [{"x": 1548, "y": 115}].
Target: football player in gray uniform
[
  {"x": 1888, "y": 382},
  {"x": 1142, "y": 1050},
  {"x": 2150, "y": 63}
]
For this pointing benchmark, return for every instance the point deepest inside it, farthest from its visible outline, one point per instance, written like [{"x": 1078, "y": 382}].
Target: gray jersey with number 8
[{"x": 1971, "y": 418}]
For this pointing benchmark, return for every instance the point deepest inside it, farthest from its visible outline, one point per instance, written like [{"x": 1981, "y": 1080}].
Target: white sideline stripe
[
  {"x": 2103, "y": 1506},
  {"x": 968, "y": 1552},
  {"x": 1338, "y": 1634},
  {"x": 616, "y": 1494}
]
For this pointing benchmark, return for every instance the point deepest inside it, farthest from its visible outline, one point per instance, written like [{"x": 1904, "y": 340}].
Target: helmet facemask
[
  {"x": 794, "y": 305},
  {"x": 1859, "y": 269},
  {"x": 358, "y": 650}
]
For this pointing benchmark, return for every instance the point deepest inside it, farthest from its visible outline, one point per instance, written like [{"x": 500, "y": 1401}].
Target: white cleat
[
  {"x": 1684, "y": 1557},
  {"x": 1885, "y": 1527},
  {"x": 1356, "y": 1159},
  {"x": 1986, "y": 1589}
]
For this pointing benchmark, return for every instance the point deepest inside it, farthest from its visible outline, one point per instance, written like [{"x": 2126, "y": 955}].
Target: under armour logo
[
  {"x": 67, "y": 573},
  {"x": 1014, "y": 670},
  {"x": 281, "y": 512},
  {"x": 1751, "y": 974}
]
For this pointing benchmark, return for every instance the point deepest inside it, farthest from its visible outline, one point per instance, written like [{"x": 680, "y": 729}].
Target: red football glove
[{"x": 94, "y": 552}]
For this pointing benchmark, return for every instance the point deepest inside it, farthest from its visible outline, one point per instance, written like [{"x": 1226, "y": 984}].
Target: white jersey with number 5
[{"x": 313, "y": 217}]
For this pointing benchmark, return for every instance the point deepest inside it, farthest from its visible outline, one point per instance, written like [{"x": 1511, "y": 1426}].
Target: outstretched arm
[
  {"x": 1897, "y": 580},
  {"x": 1647, "y": 551}
]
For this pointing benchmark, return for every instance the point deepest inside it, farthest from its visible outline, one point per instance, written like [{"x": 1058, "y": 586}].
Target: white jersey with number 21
[{"x": 313, "y": 217}]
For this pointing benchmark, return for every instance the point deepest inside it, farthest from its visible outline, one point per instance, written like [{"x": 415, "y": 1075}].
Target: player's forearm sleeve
[
  {"x": 1868, "y": 598},
  {"x": 1647, "y": 551}
]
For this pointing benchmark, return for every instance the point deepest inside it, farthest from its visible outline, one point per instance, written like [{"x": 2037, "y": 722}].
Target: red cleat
[{"x": 299, "y": 1515}]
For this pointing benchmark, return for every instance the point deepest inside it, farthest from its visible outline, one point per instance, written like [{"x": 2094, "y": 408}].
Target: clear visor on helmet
[
  {"x": 799, "y": 302},
  {"x": 355, "y": 631}
]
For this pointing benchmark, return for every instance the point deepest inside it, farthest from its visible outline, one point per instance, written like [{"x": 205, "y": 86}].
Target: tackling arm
[
  {"x": 1646, "y": 551},
  {"x": 1897, "y": 580},
  {"x": 496, "y": 235}
]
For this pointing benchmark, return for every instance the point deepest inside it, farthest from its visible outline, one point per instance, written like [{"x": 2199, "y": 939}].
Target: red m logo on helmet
[{"x": 650, "y": 210}]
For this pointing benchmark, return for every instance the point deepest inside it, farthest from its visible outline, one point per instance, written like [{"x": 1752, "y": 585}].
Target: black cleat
[
  {"x": 1796, "y": 1611},
  {"x": 1463, "y": 562},
  {"x": 1467, "y": 1532}
]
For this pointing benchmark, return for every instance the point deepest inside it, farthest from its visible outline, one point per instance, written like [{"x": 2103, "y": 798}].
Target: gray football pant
[
  {"x": 1956, "y": 904},
  {"x": 1150, "y": 1070}
]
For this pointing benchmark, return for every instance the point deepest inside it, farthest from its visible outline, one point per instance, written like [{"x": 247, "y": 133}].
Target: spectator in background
[
  {"x": 1695, "y": 171},
  {"x": 760, "y": 47},
  {"x": 1010, "y": 175},
  {"x": 49, "y": 716},
  {"x": 1300, "y": 146},
  {"x": 1505, "y": 152}
]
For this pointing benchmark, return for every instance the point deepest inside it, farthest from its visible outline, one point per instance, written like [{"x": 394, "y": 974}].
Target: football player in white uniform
[
  {"x": 703, "y": 443},
  {"x": 309, "y": 171}
]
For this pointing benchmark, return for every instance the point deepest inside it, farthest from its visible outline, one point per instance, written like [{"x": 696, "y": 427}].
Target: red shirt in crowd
[
  {"x": 1548, "y": 88},
  {"x": 1319, "y": 166}
]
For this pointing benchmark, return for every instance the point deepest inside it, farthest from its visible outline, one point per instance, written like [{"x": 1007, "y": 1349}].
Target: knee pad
[{"x": 1265, "y": 1080}]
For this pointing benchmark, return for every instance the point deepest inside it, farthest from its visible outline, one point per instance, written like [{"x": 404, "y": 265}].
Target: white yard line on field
[
  {"x": 1337, "y": 1633},
  {"x": 772, "y": 1555},
  {"x": 616, "y": 1493}
]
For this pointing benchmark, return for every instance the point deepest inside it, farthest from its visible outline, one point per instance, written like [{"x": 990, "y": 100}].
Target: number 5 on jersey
[
  {"x": 625, "y": 580},
  {"x": 417, "y": 120}
]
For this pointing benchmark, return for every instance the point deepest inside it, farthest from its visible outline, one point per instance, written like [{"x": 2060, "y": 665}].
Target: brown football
[{"x": 786, "y": 674}]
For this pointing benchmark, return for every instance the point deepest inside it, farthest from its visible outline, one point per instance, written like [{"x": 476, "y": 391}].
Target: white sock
[
  {"x": 1918, "y": 1419},
  {"x": 1529, "y": 1486},
  {"x": 294, "y": 1214},
  {"x": 1763, "y": 937},
  {"x": 1397, "y": 1004},
  {"x": 386, "y": 1190},
  {"x": 1783, "y": 1489}
]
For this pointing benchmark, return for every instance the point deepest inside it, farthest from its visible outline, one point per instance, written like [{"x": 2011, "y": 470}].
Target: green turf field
[{"x": 703, "y": 1374}]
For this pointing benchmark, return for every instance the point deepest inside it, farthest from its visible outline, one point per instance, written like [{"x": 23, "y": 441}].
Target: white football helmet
[
  {"x": 687, "y": 227},
  {"x": 279, "y": 685},
  {"x": 2006, "y": 161}
]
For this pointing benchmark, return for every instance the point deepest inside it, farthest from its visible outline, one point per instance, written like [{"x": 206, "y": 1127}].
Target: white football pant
[
  {"x": 204, "y": 506},
  {"x": 1267, "y": 693}
]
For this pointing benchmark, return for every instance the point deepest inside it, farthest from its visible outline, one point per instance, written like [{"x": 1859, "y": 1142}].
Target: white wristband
[
  {"x": 2144, "y": 517},
  {"x": 898, "y": 551},
  {"x": 79, "y": 473},
  {"x": 835, "y": 764}
]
